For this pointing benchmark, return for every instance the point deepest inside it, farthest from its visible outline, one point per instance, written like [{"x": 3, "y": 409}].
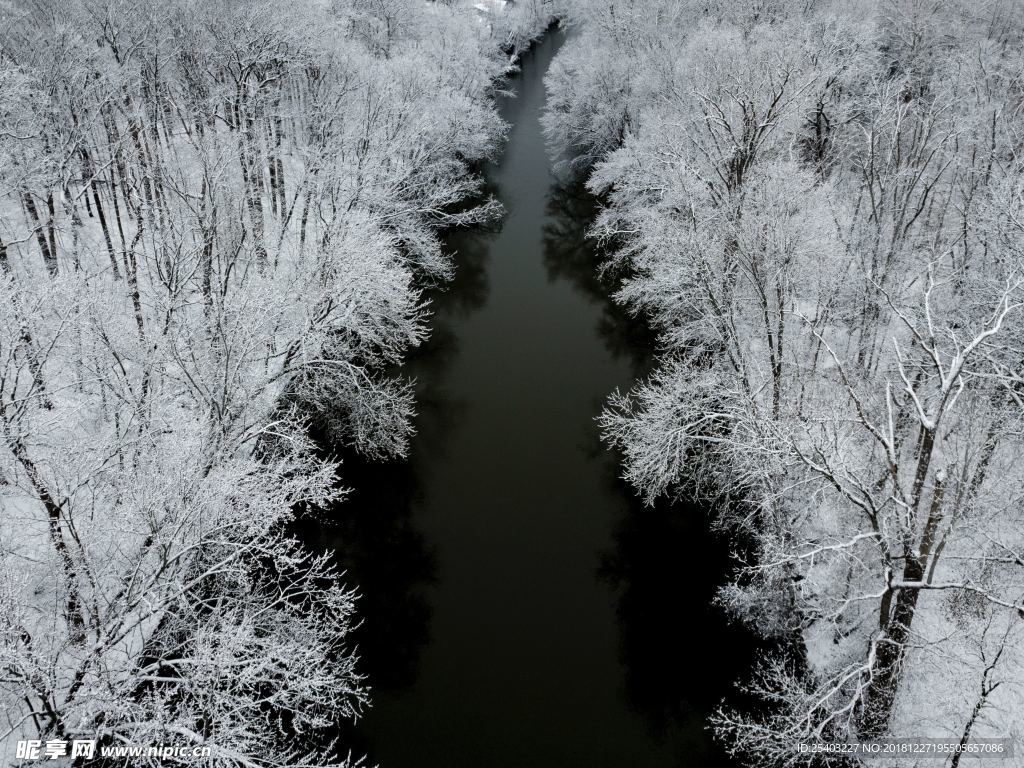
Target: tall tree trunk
[
  {"x": 253, "y": 196},
  {"x": 25, "y": 341},
  {"x": 72, "y": 603},
  {"x": 51, "y": 224},
  {"x": 209, "y": 224},
  {"x": 49, "y": 256},
  {"x": 895, "y": 622},
  {"x": 89, "y": 170},
  {"x": 276, "y": 163}
]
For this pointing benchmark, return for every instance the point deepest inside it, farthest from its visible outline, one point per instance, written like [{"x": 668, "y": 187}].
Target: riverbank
[{"x": 519, "y": 606}]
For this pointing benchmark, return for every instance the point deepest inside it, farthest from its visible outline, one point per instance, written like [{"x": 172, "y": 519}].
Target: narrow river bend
[{"x": 520, "y": 608}]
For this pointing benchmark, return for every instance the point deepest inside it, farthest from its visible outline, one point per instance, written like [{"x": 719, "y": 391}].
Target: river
[{"x": 520, "y": 607}]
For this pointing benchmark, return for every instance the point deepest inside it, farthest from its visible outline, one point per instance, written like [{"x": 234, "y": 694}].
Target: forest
[
  {"x": 819, "y": 206},
  {"x": 221, "y": 222},
  {"x": 216, "y": 223}
]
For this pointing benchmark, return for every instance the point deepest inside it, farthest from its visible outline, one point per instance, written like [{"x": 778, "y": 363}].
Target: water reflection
[
  {"x": 468, "y": 290},
  {"x": 372, "y": 533},
  {"x": 679, "y": 654},
  {"x": 569, "y": 254},
  {"x": 373, "y": 538}
]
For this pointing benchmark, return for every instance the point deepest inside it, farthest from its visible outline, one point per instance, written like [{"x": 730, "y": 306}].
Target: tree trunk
[
  {"x": 49, "y": 256},
  {"x": 253, "y": 196},
  {"x": 73, "y": 613},
  {"x": 90, "y": 174},
  {"x": 895, "y": 624},
  {"x": 51, "y": 224}
]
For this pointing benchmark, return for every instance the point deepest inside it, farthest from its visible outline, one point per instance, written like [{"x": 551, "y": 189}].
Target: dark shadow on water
[
  {"x": 468, "y": 290},
  {"x": 374, "y": 540},
  {"x": 372, "y": 533},
  {"x": 570, "y": 254},
  {"x": 680, "y": 654}
]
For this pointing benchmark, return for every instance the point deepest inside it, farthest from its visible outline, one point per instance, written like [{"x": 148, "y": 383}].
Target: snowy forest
[
  {"x": 220, "y": 225},
  {"x": 820, "y": 208},
  {"x": 217, "y": 219}
]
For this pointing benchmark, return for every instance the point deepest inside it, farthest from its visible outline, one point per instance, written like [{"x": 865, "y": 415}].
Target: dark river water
[{"x": 520, "y": 608}]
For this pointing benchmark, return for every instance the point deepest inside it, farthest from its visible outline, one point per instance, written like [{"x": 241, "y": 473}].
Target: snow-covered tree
[{"x": 817, "y": 206}]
